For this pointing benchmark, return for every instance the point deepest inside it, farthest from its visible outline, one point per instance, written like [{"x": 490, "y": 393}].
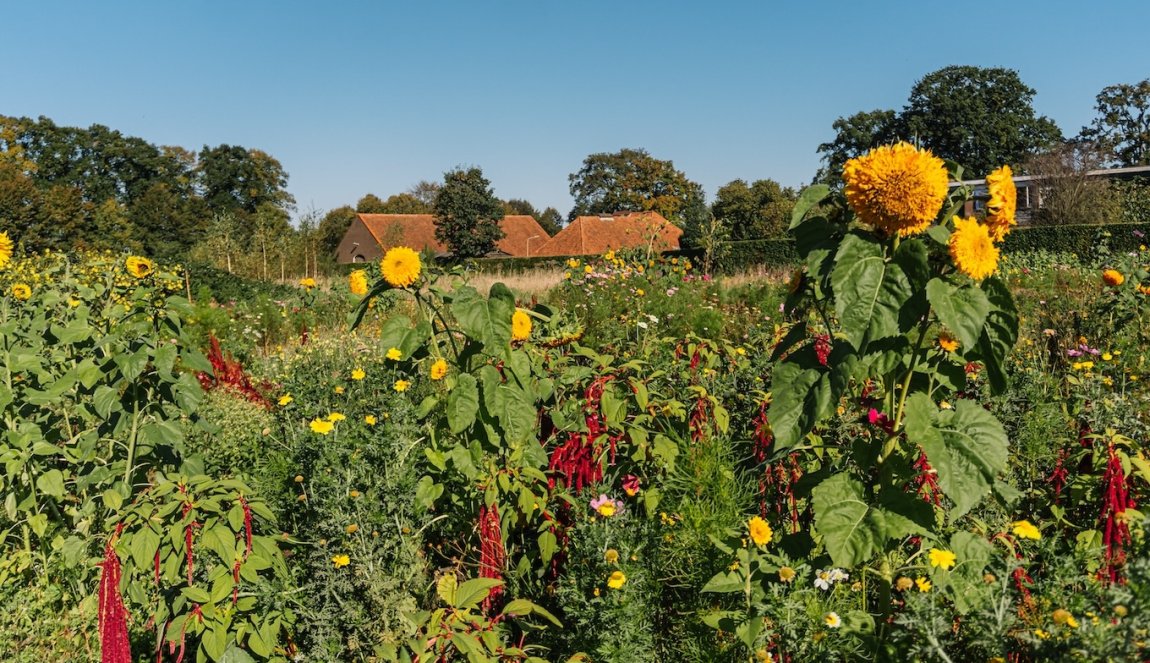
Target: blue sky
[{"x": 357, "y": 97}]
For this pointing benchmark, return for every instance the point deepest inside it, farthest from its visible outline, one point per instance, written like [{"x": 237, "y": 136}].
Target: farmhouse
[
  {"x": 593, "y": 235},
  {"x": 369, "y": 235}
]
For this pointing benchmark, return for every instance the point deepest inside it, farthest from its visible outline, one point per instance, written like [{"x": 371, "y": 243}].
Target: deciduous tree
[
  {"x": 631, "y": 180},
  {"x": 467, "y": 213},
  {"x": 758, "y": 211},
  {"x": 1123, "y": 123}
]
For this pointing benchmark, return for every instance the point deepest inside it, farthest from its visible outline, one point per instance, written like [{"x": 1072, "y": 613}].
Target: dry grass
[
  {"x": 759, "y": 274},
  {"x": 525, "y": 285}
]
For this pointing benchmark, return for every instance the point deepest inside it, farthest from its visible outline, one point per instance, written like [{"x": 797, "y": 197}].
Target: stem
[{"x": 132, "y": 444}]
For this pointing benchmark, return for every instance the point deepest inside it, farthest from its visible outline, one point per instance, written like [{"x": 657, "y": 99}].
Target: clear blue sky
[{"x": 358, "y": 97}]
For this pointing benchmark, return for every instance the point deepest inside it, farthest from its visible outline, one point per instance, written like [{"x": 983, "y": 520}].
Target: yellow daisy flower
[
  {"x": 340, "y": 561},
  {"x": 369, "y": 420},
  {"x": 285, "y": 399},
  {"x": 394, "y": 354},
  {"x": 358, "y": 374},
  {"x": 438, "y": 369},
  {"x": 616, "y": 580},
  {"x": 943, "y": 559},
  {"x": 321, "y": 426},
  {"x": 401, "y": 385},
  {"x": 1024, "y": 529}
]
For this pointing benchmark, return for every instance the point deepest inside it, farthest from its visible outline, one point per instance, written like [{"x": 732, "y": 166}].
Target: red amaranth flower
[
  {"x": 492, "y": 553},
  {"x": 113, "y": 616},
  {"x": 1115, "y": 530},
  {"x": 229, "y": 372},
  {"x": 822, "y": 348}
]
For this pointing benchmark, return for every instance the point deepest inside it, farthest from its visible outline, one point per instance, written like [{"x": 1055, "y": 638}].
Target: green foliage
[
  {"x": 467, "y": 214},
  {"x": 756, "y": 211},
  {"x": 631, "y": 180},
  {"x": 1123, "y": 124}
]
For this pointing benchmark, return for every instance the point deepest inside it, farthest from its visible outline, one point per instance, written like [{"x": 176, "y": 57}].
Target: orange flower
[{"x": 1113, "y": 278}]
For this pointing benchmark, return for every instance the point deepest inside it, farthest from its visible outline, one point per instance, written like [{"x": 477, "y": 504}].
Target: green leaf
[
  {"x": 427, "y": 491},
  {"x": 869, "y": 292},
  {"x": 486, "y": 321},
  {"x": 447, "y": 587},
  {"x": 51, "y": 483},
  {"x": 462, "y": 404},
  {"x": 999, "y": 334},
  {"x": 515, "y": 408},
  {"x": 471, "y": 592},
  {"x": 104, "y": 400},
  {"x": 548, "y": 544},
  {"x": 132, "y": 364},
  {"x": 800, "y": 399},
  {"x": 143, "y": 546},
  {"x": 196, "y": 595},
  {"x": 724, "y": 582},
  {"x": 215, "y": 641},
  {"x": 808, "y": 200},
  {"x": 962, "y": 310},
  {"x": 853, "y": 531},
  {"x": 967, "y": 446}
]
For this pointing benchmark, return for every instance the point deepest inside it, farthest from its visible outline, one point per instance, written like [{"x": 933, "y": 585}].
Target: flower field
[{"x": 914, "y": 446}]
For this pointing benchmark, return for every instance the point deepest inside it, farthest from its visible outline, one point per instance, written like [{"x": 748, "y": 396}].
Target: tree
[
  {"x": 1123, "y": 123},
  {"x": 425, "y": 192},
  {"x": 405, "y": 203},
  {"x": 370, "y": 204},
  {"x": 981, "y": 118},
  {"x": 631, "y": 180},
  {"x": 333, "y": 227},
  {"x": 1069, "y": 196},
  {"x": 854, "y": 136},
  {"x": 467, "y": 213},
  {"x": 551, "y": 221},
  {"x": 238, "y": 180},
  {"x": 758, "y": 211},
  {"x": 520, "y": 206}
]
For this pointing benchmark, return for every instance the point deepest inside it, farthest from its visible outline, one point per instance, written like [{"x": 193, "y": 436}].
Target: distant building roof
[
  {"x": 592, "y": 235},
  {"x": 522, "y": 236}
]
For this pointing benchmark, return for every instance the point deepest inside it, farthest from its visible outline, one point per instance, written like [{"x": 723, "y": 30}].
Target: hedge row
[{"x": 1082, "y": 240}]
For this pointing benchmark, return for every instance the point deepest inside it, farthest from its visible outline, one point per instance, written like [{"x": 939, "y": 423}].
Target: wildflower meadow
[{"x": 911, "y": 445}]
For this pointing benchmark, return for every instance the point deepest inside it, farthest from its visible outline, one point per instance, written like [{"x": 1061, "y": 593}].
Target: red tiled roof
[
  {"x": 417, "y": 231},
  {"x": 592, "y": 235}
]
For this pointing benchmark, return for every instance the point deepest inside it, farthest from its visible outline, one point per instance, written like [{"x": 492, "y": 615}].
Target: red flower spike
[{"x": 113, "y": 616}]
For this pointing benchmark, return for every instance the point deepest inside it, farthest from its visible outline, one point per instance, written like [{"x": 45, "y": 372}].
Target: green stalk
[{"x": 132, "y": 444}]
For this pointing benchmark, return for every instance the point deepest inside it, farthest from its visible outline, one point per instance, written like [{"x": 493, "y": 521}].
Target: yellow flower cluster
[{"x": 357, "y": 282}]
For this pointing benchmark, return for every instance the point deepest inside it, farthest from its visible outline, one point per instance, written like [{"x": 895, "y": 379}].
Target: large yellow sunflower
[
  {"x": 5, "y": 250},
  {"x": 139, "y": 267},
  {"x": 400, "y": 267},
  {"x": 973, "y": 251},
  {"x": 520, "y": 326},
  {"x": 357, "y": 281},
  {"x": 896, "y": 188},
  {"x": 1003, "y": 203},
  {"x": 21, "y": 291}
]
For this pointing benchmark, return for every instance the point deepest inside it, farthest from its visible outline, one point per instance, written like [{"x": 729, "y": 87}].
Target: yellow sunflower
[
  {"x": 1113, "y": 278},
  {"x": 947, "y": 341},
  {"x": 1003, "y": 203},
  {"x": 760, "y": 531},
  {"x": 520, "y": 326},
  {"x": 973, "y": 251},
  {"x": 307, "y": 283},
  {"x": 139, "y": 267},
  {"x": 21, "y": 291},
  {"x": 357, "y": 281},
  {"x": 896, "y": 188},
  {"x": 400, "y": 267},
  {"x": 438, "y": 369},
  {"x": 5, "y": 250}
]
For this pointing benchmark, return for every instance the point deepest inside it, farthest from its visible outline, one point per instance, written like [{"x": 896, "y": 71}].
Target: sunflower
[
  {"x": 438, "y": 369},
  {"x": 400, "y": 267},
  {"x": 520, "y": 326},
  {"x": 21, "y": 291},
  {"x": 139, "y": 267},
  {"x": 1113, "y": 278},
  {"x": 760, "y": 531},
  {"x": 973, "y": 251},
  {"x": 307, "y": 283},
  {"x": 947, "y": 341},
  {"x": 1002, "y": 204},
  {"x": 357, "y": 281},
  {"x": 5, "y": 250},
  {"x": 896, "y": 188}
]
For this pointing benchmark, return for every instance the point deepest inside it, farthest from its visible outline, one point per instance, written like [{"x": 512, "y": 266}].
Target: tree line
[{"x": 67, "y": 187}]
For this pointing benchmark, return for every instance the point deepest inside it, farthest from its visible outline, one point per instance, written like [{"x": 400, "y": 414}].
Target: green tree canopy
[
  {"x": 369, "y": 204},
  {"x": 758, "y": 211},
  {"x": 238, "y": 180},
  {"x": 854, "y": 136},
  {"x": 406, "y": 203},
  {"x": 333, "y": 227},
  {"x": 467, "y": 213},
  {"x": 631, "y": 180},
  {"x": 980, "y": 117},
  {"x": 1122, "y": 127},
  {"x": 550, "y": 220}
]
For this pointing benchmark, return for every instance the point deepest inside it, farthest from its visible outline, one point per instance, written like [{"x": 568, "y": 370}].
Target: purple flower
[
  {"x": 1073, "y": 353},
  {"x": 1139, "y": 234}
]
